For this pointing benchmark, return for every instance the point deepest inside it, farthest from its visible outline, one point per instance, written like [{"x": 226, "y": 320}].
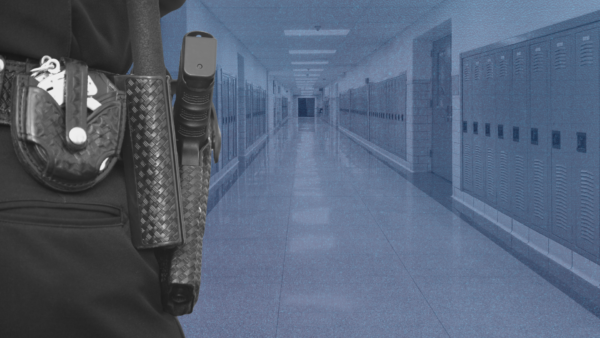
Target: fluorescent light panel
[
  {"x": 313, "y": 51},
  {"x": 314, "y": 32},
  {"x": 310, "y": 62}
]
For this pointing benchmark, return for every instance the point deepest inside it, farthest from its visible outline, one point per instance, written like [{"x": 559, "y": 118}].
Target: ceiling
[{"x": 260, "y": 26}]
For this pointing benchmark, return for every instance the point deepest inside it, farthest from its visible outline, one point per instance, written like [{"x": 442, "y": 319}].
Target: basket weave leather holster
[
  {"x": 151, "y": 168},
  {"x": 40, "y": 128}
]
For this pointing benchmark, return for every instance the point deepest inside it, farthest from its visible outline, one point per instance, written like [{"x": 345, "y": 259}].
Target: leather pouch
[{"x": 68, "y": 148}]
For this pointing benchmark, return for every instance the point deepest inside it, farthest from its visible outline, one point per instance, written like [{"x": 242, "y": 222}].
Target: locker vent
[
  {"x": 588, "y": 206},
  {"x": 519, "y": 65},
  {"x": 466, "y": 72},
  {"x": 489, "y": 70},
  {"x": 503, "y": 184},
  {"x": 477, "y": 168},
  {"x": 490, "y": 172},
  {"x": 586, "y": 53},
  {"x": 520, "y": 182},
  {"x": 476, "y": 72},
  {"x": 503, "y": 67},
  {"x": 467, "y": 165},
  {"x": 560, "y": 58},
  {"x": 560, "y": 197},
  {"x": 538, "y": 189},
  {"x": 538, "y": 62}
]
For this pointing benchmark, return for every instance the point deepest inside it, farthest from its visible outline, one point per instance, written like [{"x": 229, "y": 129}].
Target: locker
[
  {"x": 379, "y": 115},
  {"x": 215, "y": 100},
  {"x": 519, "y": 126},
  {"x": 386, "y": 115},
  {"x": 584, "y": 142},
  {"x": 352, "y": 109},
  {"x": 402, "y": 99},
  {"x": 562, "y": 87},
  {"x": 539, "y": 175},
  {"x": 225, "y": 118},
  {"x": 365, "y": 111},
  {"x": 489, "y": 124},
  {"x": 394, "y": 114},
  {"x": 502, "y": 99},
  {"x": 233, "y": 109},
  {"x": 371, "y": 111},
  {"x": 478, "y": 135},
  {"x": 467, "y": 120}
]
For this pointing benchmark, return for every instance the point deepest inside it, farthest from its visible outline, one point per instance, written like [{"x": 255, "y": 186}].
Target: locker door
[
  {"x": 234, "y": 111},
  {"x": 388, "y": 113},
  {"x": 466, "y": 127},
  {"x": 370, "y": 89},
  {"x": 225, "y": 118},
  {"x": 539, "y": 140},
  {"x": 518, "y": 129},
  {"x": 584, "y": 141},
  {"x": 351, "y": 109},
  {"x": 562, "y": 87},
  {"x": 365, "y": 111},
  {"x": 402, "y": 96},
  {"x": 489, "y": 124},
  {"x": 502, "y": 98},
  {"x": 395, "y": 115},
  {"x": 478, "y": 130}
]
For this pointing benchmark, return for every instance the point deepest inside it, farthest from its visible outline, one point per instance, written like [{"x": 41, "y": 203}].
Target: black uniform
[{"x": 67, "y": 264}]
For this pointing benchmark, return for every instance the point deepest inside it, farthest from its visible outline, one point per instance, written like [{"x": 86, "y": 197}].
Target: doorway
[
  {"x": 441, "y": 135},
  {"x": 306, "y": 107}
]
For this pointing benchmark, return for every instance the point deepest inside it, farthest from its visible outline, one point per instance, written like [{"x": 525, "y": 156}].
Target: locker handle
[
  {"x": 534, "y": 136},
  {"x": 581, "y": 142},
  {"x": 556, "y": 139}
]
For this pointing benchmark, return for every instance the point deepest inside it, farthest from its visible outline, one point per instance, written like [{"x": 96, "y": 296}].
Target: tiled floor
[{"x": 318, "y": 238}]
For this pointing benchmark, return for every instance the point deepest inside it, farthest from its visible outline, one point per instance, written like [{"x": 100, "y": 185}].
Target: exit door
[
  {"x": 306, "y": 107},
  {"x": 441, "y": 142}
]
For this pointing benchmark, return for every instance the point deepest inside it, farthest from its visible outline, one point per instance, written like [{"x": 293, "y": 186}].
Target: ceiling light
[
  {"x": 316, "y": 70},
  {"x": 310, "y": 62},
  {"x": 301, "y": 70},
  {"x": 312, "y": 32},
  {"x": 313, "y": 51}
]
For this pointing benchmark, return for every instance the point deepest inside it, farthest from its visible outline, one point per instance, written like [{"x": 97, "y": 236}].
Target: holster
[
  {"x": 151, "y": 168},
  {"x": 41, "y": 129},
  {"x": 182, "y": 285}
]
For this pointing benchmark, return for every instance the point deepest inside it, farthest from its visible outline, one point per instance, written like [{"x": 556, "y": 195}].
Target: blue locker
[
  {"x": 478, "y": 129},
  {"x": 401, "y": 81},
  {"x": 519, "y": 127},
  {"x": 224, "y": 84},
  {"x": 502, "y": 104},
  {"x": 467, "y": 125},
  {"x": 584, "y": 141},
  {"x": 562, "y": 89},
  {"x": 489, "y": 124},
  {"x": 386, "y": 116},
  {"x": 540, "y": 142}
]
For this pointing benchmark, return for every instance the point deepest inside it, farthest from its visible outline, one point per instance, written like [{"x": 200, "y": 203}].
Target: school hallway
[{"x": 316, "y": 237}]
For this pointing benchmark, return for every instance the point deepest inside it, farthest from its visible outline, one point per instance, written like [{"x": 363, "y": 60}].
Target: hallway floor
[{"x": 318, "y": 238}]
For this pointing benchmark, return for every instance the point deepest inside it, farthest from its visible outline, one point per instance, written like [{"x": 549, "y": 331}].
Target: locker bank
[{"x": 401, "y": 168}]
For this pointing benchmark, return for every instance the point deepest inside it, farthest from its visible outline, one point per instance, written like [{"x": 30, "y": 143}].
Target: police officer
[{"x": 67, "y": 264}]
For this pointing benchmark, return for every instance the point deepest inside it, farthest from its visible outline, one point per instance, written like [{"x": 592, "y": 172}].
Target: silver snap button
[
  {"x": 103, "y": 165},
  {"x": 77, "y": 135}
]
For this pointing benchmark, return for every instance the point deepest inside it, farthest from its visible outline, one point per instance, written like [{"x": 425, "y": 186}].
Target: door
[
  {"x": 302, "y": 112},
  {"x": 310, "y": 107},
  {"x": 441, "y": 143}
]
